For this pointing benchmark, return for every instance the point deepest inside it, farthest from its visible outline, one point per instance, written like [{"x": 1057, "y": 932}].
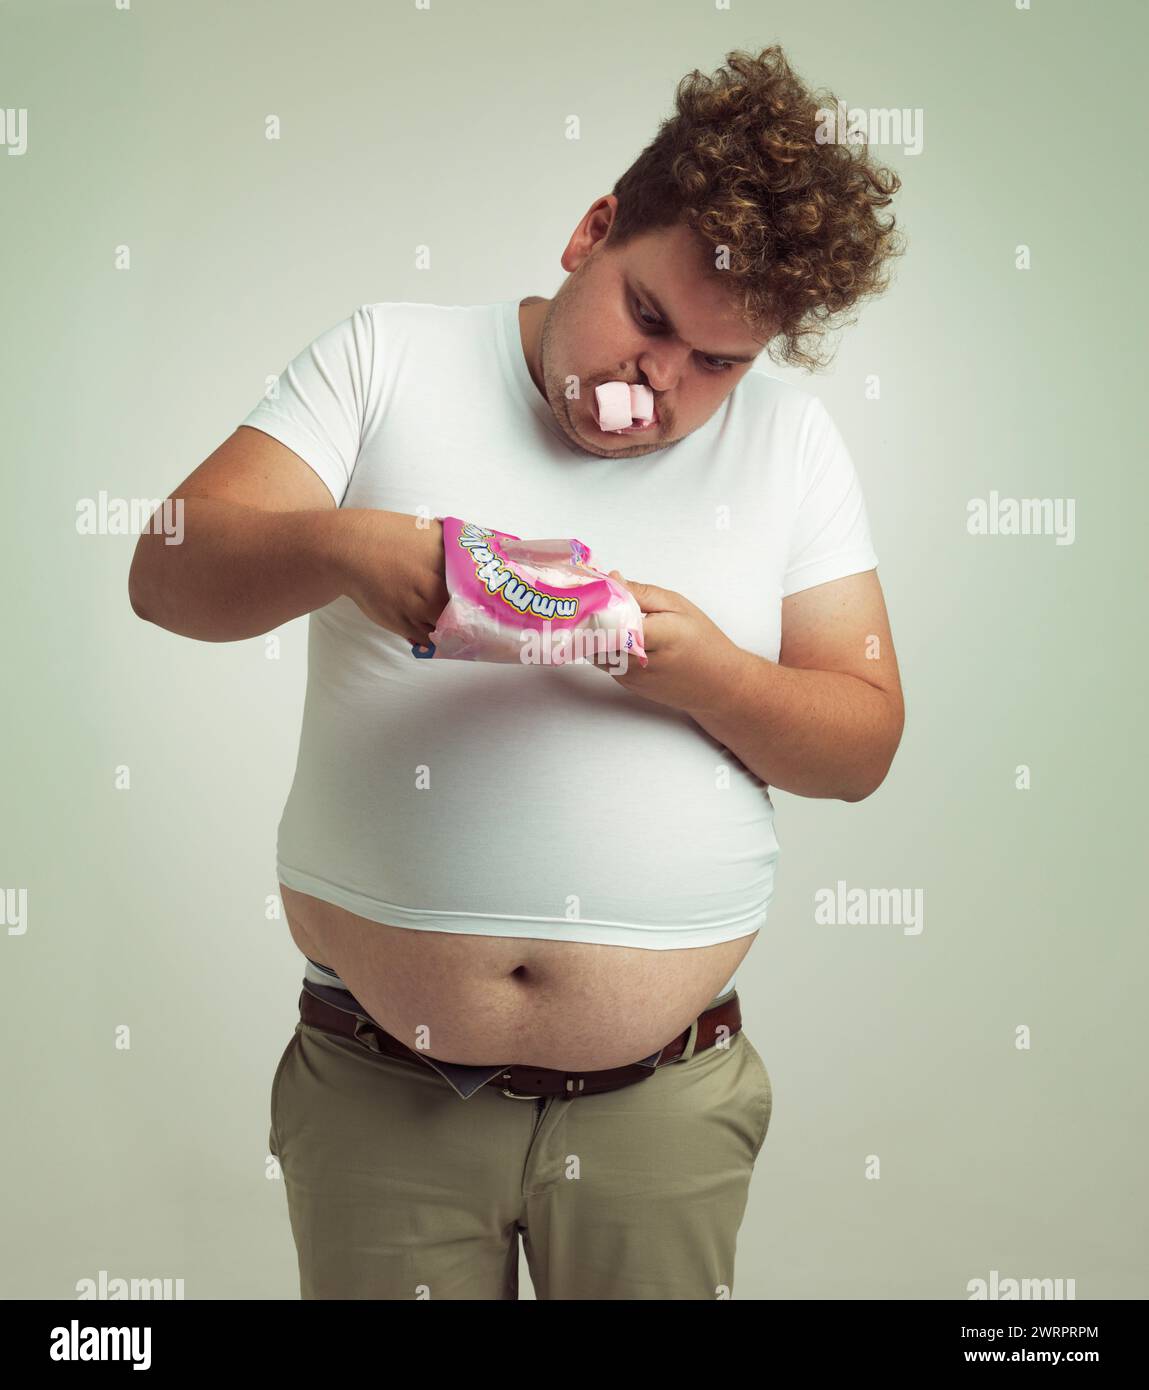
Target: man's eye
[{"x": 713, "y": 364}]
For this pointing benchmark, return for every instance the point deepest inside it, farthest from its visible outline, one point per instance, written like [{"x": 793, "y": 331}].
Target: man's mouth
[{"x": 643, "y": 427}]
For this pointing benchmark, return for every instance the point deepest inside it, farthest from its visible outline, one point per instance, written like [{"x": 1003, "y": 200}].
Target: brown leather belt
[{"x": 721, "y": 1021}]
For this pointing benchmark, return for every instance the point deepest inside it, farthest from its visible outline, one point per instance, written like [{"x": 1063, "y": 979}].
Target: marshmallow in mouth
[{"x": 622, "y": 406}]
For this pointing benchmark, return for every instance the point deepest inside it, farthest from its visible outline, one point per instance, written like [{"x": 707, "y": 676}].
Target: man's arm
[
  {"x": 827, "y": 718},
  {"x": 263, "y": 542}
]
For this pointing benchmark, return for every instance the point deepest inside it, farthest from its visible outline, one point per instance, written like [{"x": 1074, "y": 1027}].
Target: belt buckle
[
  {"x": 573, "y": 1085},
  {"x": 515, "y": 1095}
]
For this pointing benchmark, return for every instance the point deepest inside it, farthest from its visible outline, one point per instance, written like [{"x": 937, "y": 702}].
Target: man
[{"x": 523, "y": 894}]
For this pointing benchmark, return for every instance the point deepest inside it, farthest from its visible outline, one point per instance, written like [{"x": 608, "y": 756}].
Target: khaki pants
[{"x": 398, "y": 1189}]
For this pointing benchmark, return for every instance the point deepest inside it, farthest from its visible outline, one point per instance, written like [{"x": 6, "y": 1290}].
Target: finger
[{"x": 650, "y": 598}]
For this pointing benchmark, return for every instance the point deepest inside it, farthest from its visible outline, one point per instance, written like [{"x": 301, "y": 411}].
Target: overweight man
[{"x": 523, "y": 893}]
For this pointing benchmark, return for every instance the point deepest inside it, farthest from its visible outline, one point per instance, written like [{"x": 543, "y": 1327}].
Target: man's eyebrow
[{"x": 665, "y": 317}]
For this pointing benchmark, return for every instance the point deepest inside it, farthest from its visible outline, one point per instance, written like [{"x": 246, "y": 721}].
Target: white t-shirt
[{"x": 537, "y": 801}]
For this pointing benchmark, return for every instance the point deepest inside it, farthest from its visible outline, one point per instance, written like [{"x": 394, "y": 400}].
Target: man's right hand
[
  {"x": 261, "y": 541},
  {"x": 391, "y": 564}
]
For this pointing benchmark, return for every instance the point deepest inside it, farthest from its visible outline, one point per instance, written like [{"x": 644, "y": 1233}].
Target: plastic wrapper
[{"x": 530, "y": 602}]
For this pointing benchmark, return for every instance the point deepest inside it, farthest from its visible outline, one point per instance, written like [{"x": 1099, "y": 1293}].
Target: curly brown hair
[{"x": 739, "y": 163}]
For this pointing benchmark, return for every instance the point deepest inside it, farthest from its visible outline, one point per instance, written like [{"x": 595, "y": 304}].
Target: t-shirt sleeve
[
  {"x": 318, "y": 404},
  {"x": 831, "y": 533}
]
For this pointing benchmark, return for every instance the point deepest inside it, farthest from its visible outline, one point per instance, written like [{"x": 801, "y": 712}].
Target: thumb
[{"x": 651, "y": 599}]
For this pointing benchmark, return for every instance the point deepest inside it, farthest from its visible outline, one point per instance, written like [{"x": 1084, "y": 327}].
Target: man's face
[{"x": 648, "y": 314}]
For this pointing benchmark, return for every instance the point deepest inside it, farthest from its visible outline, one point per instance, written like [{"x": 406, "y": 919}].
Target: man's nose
[{"x": 662, "y": 366}]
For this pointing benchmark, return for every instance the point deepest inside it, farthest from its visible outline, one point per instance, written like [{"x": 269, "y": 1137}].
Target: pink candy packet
[{"x": 535, "y": 603}]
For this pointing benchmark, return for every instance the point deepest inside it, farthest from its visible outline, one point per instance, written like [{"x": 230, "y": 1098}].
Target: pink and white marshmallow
[{"x": 621, "y": 405}]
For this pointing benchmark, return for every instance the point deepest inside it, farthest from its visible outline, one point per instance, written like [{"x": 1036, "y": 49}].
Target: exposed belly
[{"x": 490, "y": 1000}]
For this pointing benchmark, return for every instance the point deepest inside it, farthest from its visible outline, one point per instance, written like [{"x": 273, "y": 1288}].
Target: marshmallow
[
  {"x": 621, "y": 405},
  {"x": 642, "y": 404},
  {"x": 613, "y": 399}
]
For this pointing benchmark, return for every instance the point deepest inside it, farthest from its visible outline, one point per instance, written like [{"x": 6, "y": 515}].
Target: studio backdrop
[{"x": 948, "y": 991}]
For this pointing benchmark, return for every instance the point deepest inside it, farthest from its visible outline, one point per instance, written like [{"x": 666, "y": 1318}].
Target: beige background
[{"x": 445, "y": 128}]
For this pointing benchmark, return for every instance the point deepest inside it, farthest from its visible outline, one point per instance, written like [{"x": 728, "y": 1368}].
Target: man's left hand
[{"x": 690, "y": 658}]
